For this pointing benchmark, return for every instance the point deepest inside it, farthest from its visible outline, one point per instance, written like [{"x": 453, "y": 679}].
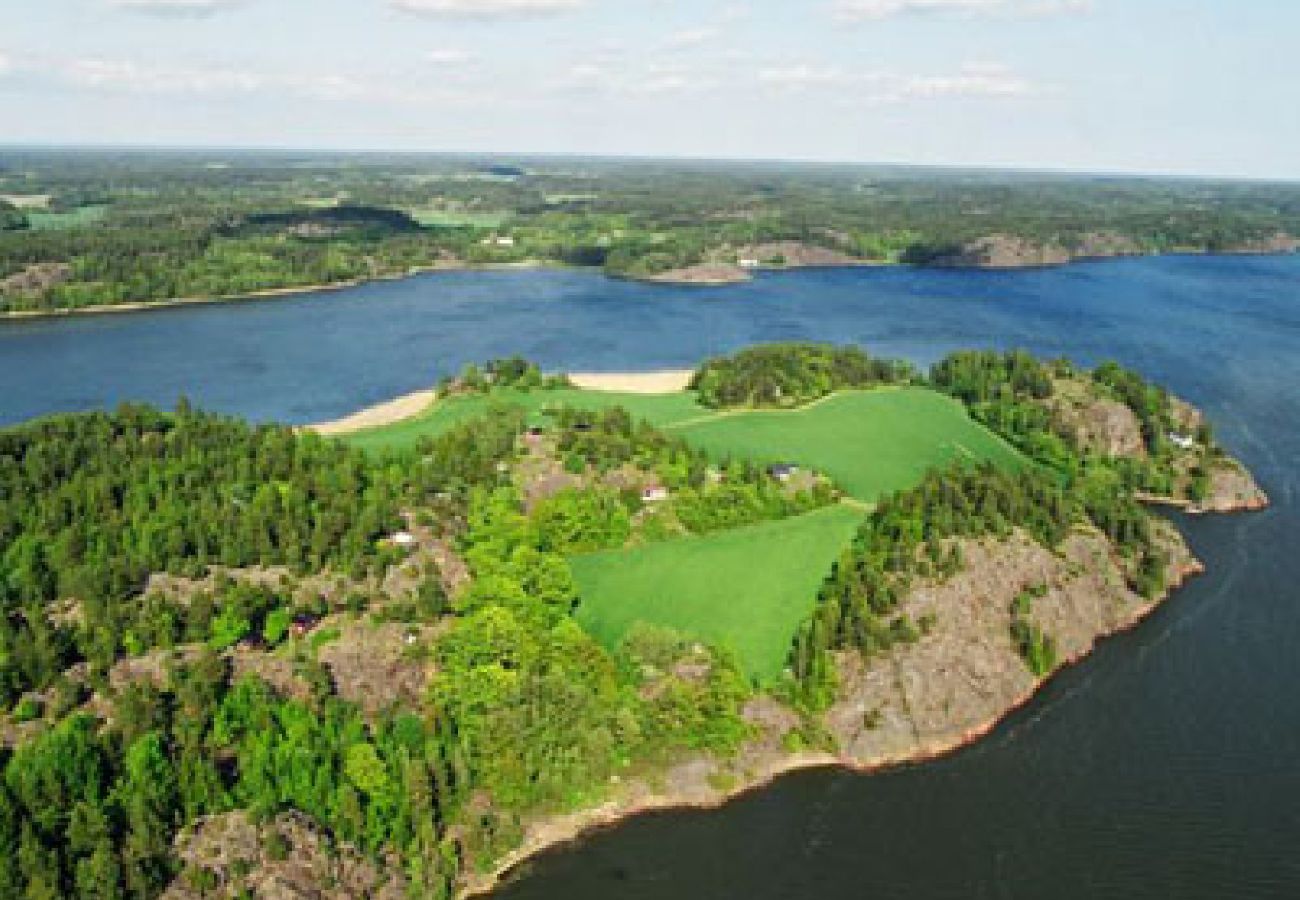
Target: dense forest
[{"x": 85, "y": 228}]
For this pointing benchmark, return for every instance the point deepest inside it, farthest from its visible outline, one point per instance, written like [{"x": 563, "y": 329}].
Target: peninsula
[{"x": 403, "y": 656}]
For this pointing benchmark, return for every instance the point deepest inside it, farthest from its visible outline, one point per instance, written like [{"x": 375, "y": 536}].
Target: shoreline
[
  {"x": 409, "y": 405},
  {"x": 571, "y": 828},
  {"x": 268, "y": 293},
  {"x": 525, "y": 265}
]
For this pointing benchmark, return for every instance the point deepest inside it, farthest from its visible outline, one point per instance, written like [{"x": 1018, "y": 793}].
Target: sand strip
[
  {"x": 669, "y": 381},
  {"x": 385, "y": 413}
]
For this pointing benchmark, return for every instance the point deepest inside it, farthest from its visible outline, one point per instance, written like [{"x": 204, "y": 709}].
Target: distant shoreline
[
  {"x": 269, "y": 293},
  {"x": 526, "y": 265}
]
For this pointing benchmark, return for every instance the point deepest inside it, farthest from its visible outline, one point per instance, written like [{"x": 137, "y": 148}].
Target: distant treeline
[{"x": 185, "y": 225}]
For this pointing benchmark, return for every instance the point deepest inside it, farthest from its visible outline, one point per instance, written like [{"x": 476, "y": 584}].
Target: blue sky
[{"x": 1196, "y": 87}]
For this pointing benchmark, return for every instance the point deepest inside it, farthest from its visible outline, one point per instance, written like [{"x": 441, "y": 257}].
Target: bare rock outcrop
[
  {"x": 287, "y": 858},
  {"x": 1004, "y": 251}
]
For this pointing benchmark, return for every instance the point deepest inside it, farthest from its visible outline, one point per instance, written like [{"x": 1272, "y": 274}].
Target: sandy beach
[
  {"x": 385, "y": 413},
  {"x": 668, "y": 381}
]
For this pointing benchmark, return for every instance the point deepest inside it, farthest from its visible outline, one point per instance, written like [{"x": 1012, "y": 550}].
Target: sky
[{"x": 1185, "y": 87}]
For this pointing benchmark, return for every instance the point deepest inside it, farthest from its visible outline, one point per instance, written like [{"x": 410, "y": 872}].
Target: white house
[
  {"x": 1181, "y": 441},
  {"x": 403, "y": 539},
  {"x": 655, "y": 493},
  {"x": 748, "y": 262}
]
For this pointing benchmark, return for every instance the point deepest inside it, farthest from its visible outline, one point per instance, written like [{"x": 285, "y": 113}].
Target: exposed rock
[
  {"x": 1098, "y": 424},
  {"x": 926, "y": 697},
  {"x": 1004, "y": 251},
  {"x": 288, "y": 858},
  {"x": 1105, "y": 244},
  {"x": 1280, "y": 242},
  {"x": 377, "y": 666},
  {"x": 711, "y": 273},
  {"x": 795, "y": 254},
  {"x": 36, "y": 278}
]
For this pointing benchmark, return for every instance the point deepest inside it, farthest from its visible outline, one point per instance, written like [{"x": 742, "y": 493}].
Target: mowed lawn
[
  {"x": 871, "y": 443},
  {"x": 658, "y": 409},
  {"x": 746, "y": 589}
]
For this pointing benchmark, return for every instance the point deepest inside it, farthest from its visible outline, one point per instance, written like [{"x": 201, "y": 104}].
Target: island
[{"x": 398, "y": 658}]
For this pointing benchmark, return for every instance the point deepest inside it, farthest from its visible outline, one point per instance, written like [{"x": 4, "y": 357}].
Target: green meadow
[
  {"x": 442, "y": 218},
  {"x": 40, "y": 220},
  {"x": 871, "y": 443},
  {"x": 746, "y": 589}
]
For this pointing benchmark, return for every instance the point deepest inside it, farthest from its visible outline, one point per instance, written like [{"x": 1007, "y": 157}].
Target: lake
[{"x": 1165, "y": 765}]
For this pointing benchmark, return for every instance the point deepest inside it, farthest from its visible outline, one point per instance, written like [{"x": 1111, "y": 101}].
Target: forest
[{"x": 83, "y": 228}]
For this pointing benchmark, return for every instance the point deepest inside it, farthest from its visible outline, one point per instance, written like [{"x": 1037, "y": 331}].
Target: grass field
[
  {"x": 870, "y": 442},
  {"x": 56, "y": 221},
  {"x": 441, "y": 218},
  {"x": 746, "y": 589},
  {"x": 659, "y": 409}
]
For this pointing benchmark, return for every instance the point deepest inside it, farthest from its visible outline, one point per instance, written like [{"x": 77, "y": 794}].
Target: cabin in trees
[
  {"x": 782, "y": 471},
  {"x": 654, "y": 493},
  {"x": 303, "y": 624}
]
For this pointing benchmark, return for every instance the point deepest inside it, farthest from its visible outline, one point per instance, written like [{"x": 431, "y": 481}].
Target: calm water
[{"x": 1166, "y": 765}]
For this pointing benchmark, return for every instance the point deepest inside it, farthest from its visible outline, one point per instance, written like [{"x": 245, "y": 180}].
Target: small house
[
  {"x": 1181, "y": 441},
  {"x": 403, "y": 539},
  {"x": 655, "y": 493},
  {"x": 748, "y": 262},
  {"x": 782, "y": 471},
  {"x": 303, "y": 624}
]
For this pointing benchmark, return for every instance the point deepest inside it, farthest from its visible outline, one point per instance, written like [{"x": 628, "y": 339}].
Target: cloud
[
  {"x": 876, "y": 10},
  {"x": 450, "y": 56},
  {"x": 6, "y": 64},
  {"x": 176, "y": 7},
  {"x": 972, "y": 80},
  {"x": 485, "y": 9},
  {"x": 693, "y": 37},
  {"x": 131, "y": 76}
]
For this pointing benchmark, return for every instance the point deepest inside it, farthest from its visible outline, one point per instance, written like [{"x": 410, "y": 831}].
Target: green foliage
[{"x": 785, "y": 375}]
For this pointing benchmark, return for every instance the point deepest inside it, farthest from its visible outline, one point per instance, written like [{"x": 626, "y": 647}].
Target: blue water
[{"x": 1165, "y": 765}]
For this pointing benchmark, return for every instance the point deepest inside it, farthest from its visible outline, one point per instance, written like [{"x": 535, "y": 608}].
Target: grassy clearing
[
  {"x": 870, "y": 442},
  {"x": 746, "y": 589},
  {"x": 58, "y": 221},
  {"x": 441, "y": 218},
  {"x": 659, "y": 409}
]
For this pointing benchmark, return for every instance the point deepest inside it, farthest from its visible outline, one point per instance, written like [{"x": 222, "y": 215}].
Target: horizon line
[{"x": 1046, "y": 170}]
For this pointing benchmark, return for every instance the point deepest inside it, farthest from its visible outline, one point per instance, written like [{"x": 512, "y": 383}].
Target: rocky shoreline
[
  {"x": 886, "y": 714},
  {"x": 994, "y": 252}
]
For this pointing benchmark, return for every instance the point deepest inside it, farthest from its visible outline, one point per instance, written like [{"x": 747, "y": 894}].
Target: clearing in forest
[
  {"x": 746, "y": 589},
  {"x": 871, "y": 443}
]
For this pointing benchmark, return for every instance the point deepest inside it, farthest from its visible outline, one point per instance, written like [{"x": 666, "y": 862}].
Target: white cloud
[
  {"x": 131, "y": 76},
  {"x": 485, "y": 9},
  {"x": 450, "y": 56},
  {"x": 6, "y": 64},
  {"x": 693, "y": 37},
  {"x": 875, "y": 10},
  {"x": 972, "y": 80},
  {"x": 176, "y": 7},
  {"x": 800, "y": 75}
]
